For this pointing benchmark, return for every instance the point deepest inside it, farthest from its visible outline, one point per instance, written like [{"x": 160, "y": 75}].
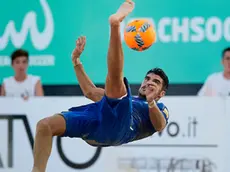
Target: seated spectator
[
  {"x": 218, "y": 84},
  {"x": 21, "y": 84}
]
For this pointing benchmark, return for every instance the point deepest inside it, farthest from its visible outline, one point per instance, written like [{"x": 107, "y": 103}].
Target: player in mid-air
[{"x": 115, "y": 117}]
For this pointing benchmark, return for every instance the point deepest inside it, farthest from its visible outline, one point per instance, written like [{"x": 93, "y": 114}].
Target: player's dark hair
[
  {"x": 224, "y": 51},
  {"x": 162, "y": 74},
  {"x": 17, "y": 53}
]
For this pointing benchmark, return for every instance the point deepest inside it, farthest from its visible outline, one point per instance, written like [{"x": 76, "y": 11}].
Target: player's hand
[
  {"x": 150, "y": 93},
  {"x": 80, "y": 45}
]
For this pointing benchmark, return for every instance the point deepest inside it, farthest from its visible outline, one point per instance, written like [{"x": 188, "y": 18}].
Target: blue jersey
[
  {"x": 112, "y": 122},
  {"x": 141, "y": 123}
]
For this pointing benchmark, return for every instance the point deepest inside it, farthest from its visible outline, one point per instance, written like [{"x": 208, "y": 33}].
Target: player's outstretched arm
[
  {"x": 88, "y": 88},
  {"x": 2, "y": 93},
  {"x": 156, "y": 116}
]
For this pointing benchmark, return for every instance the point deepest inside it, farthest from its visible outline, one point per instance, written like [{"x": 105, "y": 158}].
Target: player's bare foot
[{"x": 124, "y": 10}]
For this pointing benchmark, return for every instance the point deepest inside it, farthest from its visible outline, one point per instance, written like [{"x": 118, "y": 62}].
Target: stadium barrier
[{"x": 195, "y": 139}]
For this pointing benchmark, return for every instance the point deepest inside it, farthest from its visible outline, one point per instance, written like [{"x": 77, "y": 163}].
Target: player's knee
[
  {"x": 43, "y": 127},
  {"x": 54, "y": 125}
]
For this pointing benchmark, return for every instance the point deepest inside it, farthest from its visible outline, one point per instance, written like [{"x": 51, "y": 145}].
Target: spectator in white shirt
[
  {"x": 218, "y": 84},
  {"x": 21, "y": 84}
]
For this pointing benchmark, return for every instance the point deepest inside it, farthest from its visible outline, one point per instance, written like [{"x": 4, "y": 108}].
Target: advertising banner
[
  {"x": 187, "y": 39},
  {"x": 194, "y": 140}
]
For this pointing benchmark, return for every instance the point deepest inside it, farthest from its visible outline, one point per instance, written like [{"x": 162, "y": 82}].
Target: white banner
[{"x": 195, "y": 139}]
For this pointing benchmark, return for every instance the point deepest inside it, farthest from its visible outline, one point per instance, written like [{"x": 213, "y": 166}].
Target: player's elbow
[
  {"x": 159, "y": 126},
  {"x": 159, "y": 129},
  {"x": 88, "y": 94},
  {"x": 92, "y": 96}
]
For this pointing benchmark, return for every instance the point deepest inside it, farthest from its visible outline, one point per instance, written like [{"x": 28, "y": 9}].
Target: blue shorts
[
  {"x": 105, "y": 121},
  {"x": 80, "y": 121}
]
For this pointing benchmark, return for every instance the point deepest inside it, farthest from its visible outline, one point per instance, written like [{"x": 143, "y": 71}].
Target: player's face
[
  {"x": 156, "y": 82},
  {"x": 20, "y": 65},
  {"x": 226, "y": 61}
]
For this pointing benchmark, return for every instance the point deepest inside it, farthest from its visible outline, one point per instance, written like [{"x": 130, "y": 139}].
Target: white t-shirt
[
  {"x": 25, "y": 88},
  {"x": 215, "y": 85}
]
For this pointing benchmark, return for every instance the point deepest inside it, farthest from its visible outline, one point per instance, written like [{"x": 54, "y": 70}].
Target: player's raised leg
[
  {"x": 114, "y": 87},
  {"x": 46, "y": 129}
]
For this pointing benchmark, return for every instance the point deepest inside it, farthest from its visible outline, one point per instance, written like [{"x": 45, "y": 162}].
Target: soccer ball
[{"x": 139, "y": 35}]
